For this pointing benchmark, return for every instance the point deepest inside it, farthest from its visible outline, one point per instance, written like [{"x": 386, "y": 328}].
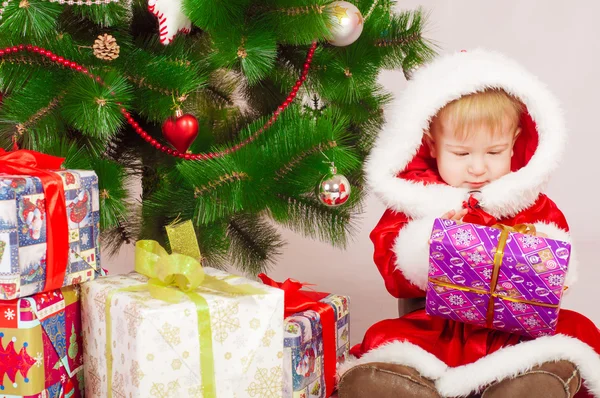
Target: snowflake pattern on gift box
[
  {"x": 531, "y": 321},
  {"x": 168, "y": 391},
  {"x": 529, "y": 243},
  {"x": 463, "y": 237},
  {"x": 170, "y": 334},
  {"x": 476, "y": 257},
  {"x": 487, "y": 273},
  {"x": 224, "y": 320},
  {"x": 267, "y": 383},
  {"x": 519, "y": 307},
  {"x": 555, "y": 280},
  {"x": 456, "y": 299},
  {"x": 471, "y": 315},
  {"x": 133, "y": 317}
]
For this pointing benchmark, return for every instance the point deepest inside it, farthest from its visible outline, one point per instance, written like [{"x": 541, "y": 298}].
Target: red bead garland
[{"x": 145, "y": 136}]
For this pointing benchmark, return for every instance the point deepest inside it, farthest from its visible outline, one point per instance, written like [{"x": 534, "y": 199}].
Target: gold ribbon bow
[
  {"x": 498, "y": 257},
  {"x": 173, "y": 278}
]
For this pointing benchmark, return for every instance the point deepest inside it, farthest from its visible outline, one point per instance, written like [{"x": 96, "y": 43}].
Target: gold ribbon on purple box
[{"x": 498, "y": 257}]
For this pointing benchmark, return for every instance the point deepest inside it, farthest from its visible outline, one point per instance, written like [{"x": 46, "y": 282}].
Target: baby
[
  {"x": 474, "y": 137},
  {"x": 472, "y": 140}
]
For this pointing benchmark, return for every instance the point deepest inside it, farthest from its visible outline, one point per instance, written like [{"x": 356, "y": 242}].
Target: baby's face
[{"x": 476, "y": 160}]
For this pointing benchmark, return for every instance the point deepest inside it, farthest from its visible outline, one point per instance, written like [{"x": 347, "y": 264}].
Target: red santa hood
[{"x": 401, "y": 172}]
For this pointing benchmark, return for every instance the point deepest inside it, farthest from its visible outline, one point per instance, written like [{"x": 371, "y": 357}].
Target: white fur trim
[
  {"x": 511, "y": 361},
  {"x": 402, "y": 353},
  {"x": 412, "y": 251},
  {"x": 434, "y": 85},
  {"x": 554, "y": 232}
]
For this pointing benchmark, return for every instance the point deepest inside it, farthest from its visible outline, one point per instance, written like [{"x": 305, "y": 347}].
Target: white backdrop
[{"x": 553, "y": 39}]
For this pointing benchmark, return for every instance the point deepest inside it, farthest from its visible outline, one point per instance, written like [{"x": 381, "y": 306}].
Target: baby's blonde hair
[{"x": 489, "y": 108}]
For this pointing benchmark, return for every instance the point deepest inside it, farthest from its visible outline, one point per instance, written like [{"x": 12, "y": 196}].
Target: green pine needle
[
  {"x": 215, "y": 14},
  {"x": 91, "y": 108},
  {"x": 29, "y": 20},
  {"x": 255, "y": 244},
  {"x": 111, "y": 180},
  {"x": 254, "y": 51}
]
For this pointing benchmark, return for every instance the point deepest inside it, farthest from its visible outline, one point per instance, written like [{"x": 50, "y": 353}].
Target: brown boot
[
  {"x": 550, "y": 380},
  {"x": 385, "y": 380}
]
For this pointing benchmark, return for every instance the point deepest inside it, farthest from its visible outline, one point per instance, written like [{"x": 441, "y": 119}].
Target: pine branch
[
  {"x": 29, "y": 20},
  {"x": 223, "y": 180},
  {"x": 254, "y": 243},
  {"x": 307, "y": 216},
  {"x": 21, "y": 128},
  {"x": 215, "y": 15},
  {"x": 288, "y": 167}
]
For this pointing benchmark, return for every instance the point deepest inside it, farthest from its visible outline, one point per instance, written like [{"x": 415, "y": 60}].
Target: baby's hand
[{"x": 454, "y": 215}]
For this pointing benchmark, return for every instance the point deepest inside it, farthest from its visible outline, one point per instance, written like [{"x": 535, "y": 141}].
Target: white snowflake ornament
[{"x": 171, "y": 19}]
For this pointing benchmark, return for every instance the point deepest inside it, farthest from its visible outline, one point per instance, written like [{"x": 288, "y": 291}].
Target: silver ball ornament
[
  {"x": 347, "y": 23},
  {"x": 334, "y": 189}
]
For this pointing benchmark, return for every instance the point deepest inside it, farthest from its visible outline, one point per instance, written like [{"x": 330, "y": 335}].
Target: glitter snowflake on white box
[
  {"x": 225, "y": 319},
  {"x": 463, "y": 237},
  {"x": 456, "y": 300},
  {"x": 556, "y": 280},
  {"x": 530, "y": 241},
  {"x": 267, "y": 383}
]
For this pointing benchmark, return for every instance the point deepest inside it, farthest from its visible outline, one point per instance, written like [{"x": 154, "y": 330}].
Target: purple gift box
[{"x": 530, "y": 279}]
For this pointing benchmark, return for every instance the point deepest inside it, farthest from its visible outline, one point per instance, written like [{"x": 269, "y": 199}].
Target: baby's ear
[
  {"x": 430, "y": 143},
  {"x": 517, "y": 132}
]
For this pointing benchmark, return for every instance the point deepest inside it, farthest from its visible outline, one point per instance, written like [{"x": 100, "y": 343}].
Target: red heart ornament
[{"x": 180, "y": 131}]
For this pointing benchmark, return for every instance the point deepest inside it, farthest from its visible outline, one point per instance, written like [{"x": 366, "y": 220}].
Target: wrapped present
[
  {"x": 316, "y": 339},
  {"x": 49, "y": 224},
  {"x": 500, "y": 277},
  {"x": 41, "y": 345},
  {"x": 213, "y": 335}
]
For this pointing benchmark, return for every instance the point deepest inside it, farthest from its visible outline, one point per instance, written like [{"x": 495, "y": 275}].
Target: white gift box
[{"x": 155, "y": 345}]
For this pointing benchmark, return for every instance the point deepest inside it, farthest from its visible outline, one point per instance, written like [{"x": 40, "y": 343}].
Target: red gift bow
[
  {"x": 475, "y": 214},
  {"x": 297, "y": 300},
  {"x": 31, "y": 163}
]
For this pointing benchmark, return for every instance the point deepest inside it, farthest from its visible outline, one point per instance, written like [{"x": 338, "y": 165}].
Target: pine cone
[{"x": 106, "y": 47}]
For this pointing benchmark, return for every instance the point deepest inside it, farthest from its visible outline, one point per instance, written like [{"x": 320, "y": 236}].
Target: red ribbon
[
  {"x": 475, "y": 214},
  {"x": 297, "y": 300},
  {"x": 30, "y": 163}
]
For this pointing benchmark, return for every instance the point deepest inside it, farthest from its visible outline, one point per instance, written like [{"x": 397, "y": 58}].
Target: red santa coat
[{"x": 462, "y": 358}]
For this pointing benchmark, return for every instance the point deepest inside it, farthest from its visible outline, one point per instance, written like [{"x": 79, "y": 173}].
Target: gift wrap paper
[
  {"x": 530, "y": 285},
  {"x": 41, "y": 346},
  {"x": 23, "y": 233},
  {"x": 155, "y": 344},
  {"x": 303, "y": 352}
]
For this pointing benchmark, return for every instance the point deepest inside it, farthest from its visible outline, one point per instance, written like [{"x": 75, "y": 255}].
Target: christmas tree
[{"x": 279, "y": 91}]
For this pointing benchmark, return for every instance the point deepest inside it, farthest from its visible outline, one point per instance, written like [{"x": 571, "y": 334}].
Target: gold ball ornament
[
  {"x": 347, "y": 23},
  {"x": 334, "y": 189}
]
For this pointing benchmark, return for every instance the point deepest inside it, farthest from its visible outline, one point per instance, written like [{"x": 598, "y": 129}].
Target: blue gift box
[
  {"x": 23, "y": 233},
  {"x": 303, "y": 349}
]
